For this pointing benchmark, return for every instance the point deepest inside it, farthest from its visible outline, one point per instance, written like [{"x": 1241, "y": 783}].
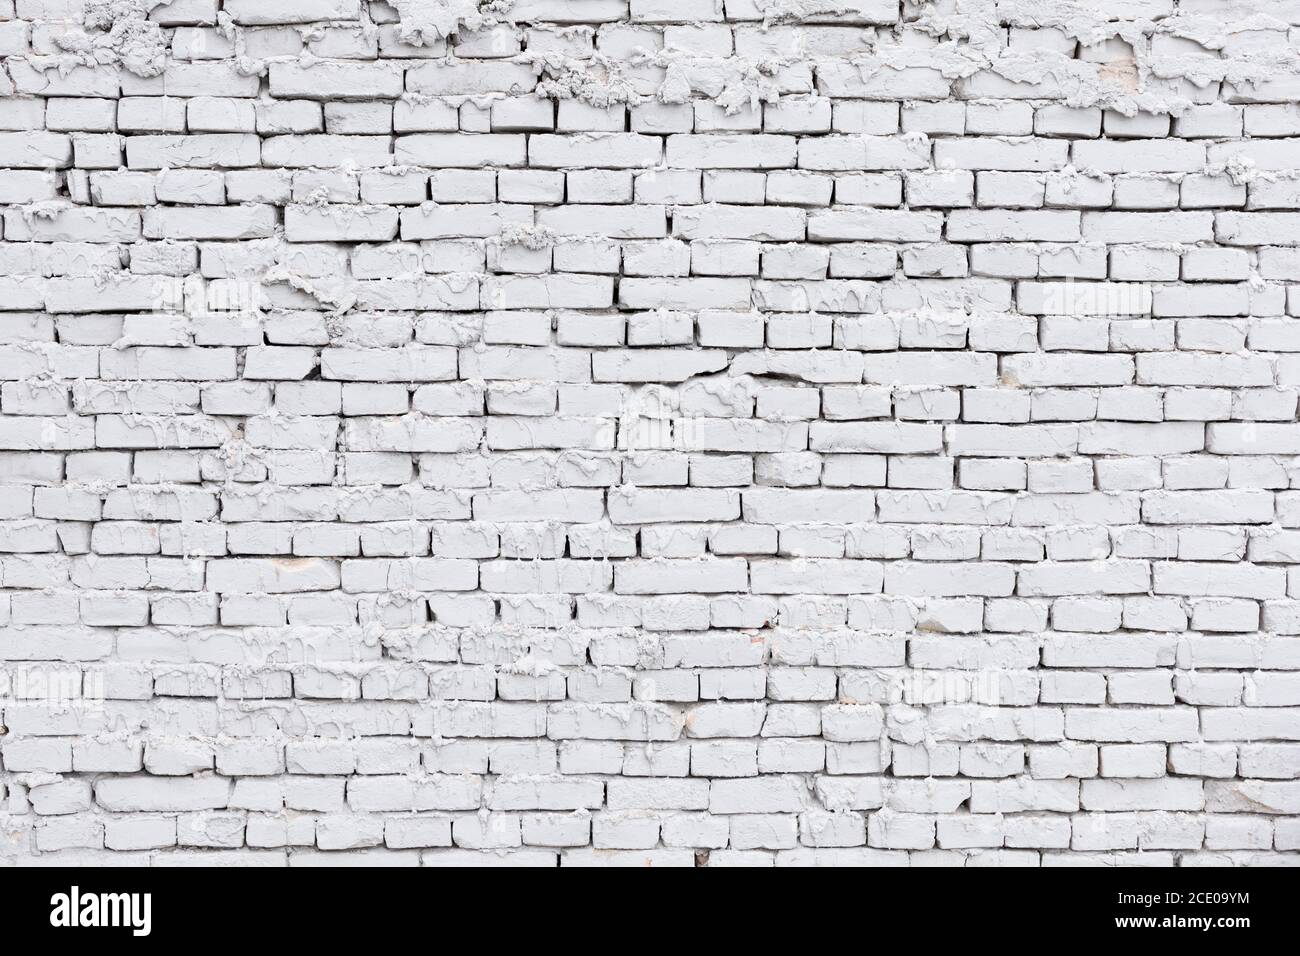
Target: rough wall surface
[{"x": 668, "y": 432}]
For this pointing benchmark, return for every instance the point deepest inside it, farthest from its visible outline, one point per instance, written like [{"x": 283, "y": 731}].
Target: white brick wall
[{"x": 650, "y": 431}]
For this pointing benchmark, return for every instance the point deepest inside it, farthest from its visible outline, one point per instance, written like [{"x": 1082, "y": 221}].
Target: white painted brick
[{"x": 883, "y": 468}]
